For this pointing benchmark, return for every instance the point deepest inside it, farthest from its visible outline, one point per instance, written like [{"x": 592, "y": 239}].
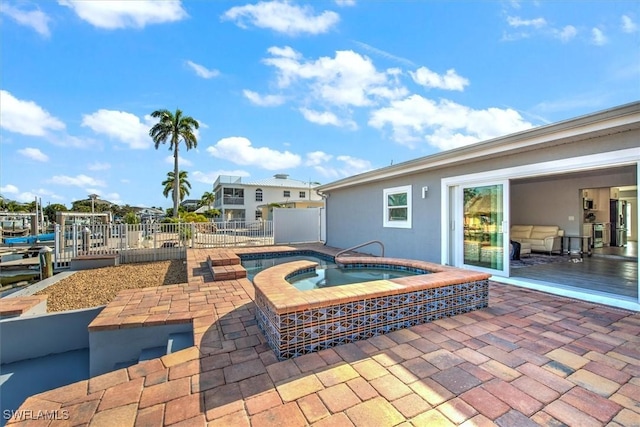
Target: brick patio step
[
  {"x": 229, "y": 272},
  {"x": 223, "y": 258}
]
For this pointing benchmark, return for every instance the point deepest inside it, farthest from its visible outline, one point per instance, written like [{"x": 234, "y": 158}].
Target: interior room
[{"x": 597, "y": 213}]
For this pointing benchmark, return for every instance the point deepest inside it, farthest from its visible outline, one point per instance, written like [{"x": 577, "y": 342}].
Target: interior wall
[{"x": 556, "y": 200}]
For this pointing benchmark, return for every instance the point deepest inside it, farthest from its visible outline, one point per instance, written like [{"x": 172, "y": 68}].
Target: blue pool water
[{"x": 327, "y": 273}]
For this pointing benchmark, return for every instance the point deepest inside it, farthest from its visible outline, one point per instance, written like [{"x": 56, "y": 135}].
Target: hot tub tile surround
[{"x": 298, "y": 322}]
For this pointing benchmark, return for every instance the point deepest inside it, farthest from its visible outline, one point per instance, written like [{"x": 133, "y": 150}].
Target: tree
[
  {"x": 207, "y": 199},
  {"x": 174, "y": 128},
  {"x": 183, "y": 185},
  {"x": 50, "y": 211}
]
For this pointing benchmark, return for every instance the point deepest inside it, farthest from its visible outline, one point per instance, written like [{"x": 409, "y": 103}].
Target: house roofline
[{"x": 618, "y": 119}]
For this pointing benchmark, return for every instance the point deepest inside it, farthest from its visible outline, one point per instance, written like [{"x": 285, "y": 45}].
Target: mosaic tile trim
[
  {"x": 301, "y": 332},
  {"x": 265, "y": 255}
]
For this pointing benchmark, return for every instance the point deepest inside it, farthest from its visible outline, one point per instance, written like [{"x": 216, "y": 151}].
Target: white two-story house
[{"x": 248, "y": 201}]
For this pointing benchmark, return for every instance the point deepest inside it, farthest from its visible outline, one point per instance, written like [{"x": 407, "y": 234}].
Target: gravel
[{"x": 91, "y": 288}]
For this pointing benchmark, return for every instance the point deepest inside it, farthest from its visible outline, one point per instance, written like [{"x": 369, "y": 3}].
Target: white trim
[
  {"x": 574, "y": 164},
  {"x": 617, "y": 158},
  {"x": 386, "y": 222}
]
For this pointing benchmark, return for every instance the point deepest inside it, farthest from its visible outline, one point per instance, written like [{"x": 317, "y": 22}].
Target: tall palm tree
[
  {"x": 207, "y": 199},
  {"x": 183, "y": 186},
  {"x": 174, "y": 128}
]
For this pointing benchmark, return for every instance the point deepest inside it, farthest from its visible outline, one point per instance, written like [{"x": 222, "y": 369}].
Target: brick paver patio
[{"x": 529, "y": 359}]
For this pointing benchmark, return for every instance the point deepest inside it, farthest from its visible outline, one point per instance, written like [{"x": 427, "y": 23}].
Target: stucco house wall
[{"x": 355, "y": 208}]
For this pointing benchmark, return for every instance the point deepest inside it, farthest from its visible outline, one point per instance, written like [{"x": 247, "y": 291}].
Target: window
[
  {"x": 258, "y": 214},
  {"x": 397, "y": 207},
  {"x": 303, "y": 195},
  {"x": 286, "y": 193},
  {"x": 259, "y": 195}
]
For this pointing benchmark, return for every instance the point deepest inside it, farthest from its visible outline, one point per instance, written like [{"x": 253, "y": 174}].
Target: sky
[{"x": 319, "y": 90}]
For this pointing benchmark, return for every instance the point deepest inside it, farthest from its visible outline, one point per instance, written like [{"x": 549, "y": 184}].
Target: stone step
[
  {"x": 229, "y": 272},
  {"x": 220, "y": 258}
]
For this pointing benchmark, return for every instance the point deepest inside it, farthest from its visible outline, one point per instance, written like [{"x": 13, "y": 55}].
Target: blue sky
[{"x": 320, "y": 90}]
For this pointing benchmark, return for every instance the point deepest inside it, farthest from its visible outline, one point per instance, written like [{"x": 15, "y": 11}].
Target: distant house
[
  {"x": 457, "y": 207},
  {"x": 190, "y": 204},
  {"x": 237, "y": 200},
  {"x": 150, "y": 214}
]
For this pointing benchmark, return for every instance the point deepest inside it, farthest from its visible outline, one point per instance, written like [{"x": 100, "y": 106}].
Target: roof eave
[{"x": 625, "y": 117}]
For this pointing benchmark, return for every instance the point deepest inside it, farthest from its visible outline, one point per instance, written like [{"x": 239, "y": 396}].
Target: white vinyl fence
[
  {"x": 157, "y": 241},
  {"x": 297, "y": 225}
]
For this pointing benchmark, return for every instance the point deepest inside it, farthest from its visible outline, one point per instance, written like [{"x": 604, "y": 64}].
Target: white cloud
[
  {"x": 263, "y": 100},
  {"x": 345, "y": 3},
  {"x": 516, "y": 21},
  {"x": 181, "y": 161},
  {"x": 210, "y": 177},
  {"x": 283, "y": 17},
  {"x": 566, "y": 34},
  {"x": 111, "y": 197},
  {"x": 444, "y": 124},
  {"x": 9, "y": 189},
  {"x": 77, "y": 181},
  {"x": 26, "y": 117},
  {"x": 126, "y": 14},
  {"x": 315, "y": 158},
  {"x": 26, "y": 196},
  {"x": 354, "y": 165},
  {"x": 628, "y": 26},
  {"x": 34, "y": 154},
  {"x": 348, "y": 79},
  {"x": 597, "y": 37},
  {"x": 384, "y": 54},
  {"x": 120, "y": 125},
  {"x": 450, "y": 81},
  {"x": 202, "y": 71},
  {"x": 347, "y": 166},
  {"x": 240, "y": 151},
  {"x": 36, "y": 19},
  {"x": 98, "y": 166},
  {"x": 326, "y": 118}
]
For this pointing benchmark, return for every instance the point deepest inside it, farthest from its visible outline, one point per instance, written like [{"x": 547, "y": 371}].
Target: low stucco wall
[{"x": 34, "y": 336}]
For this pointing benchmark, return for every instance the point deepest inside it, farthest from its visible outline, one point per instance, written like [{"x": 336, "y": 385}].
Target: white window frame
[
  {"x": 385, "y": 215},
  {"x": 286, "y": 193}
]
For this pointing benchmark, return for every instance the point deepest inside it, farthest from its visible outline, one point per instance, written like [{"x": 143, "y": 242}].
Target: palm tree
[
  {"x": 174, "y": 128},
  {"x": 207, "y": 199},
  {"x": 183, "y": 185}
]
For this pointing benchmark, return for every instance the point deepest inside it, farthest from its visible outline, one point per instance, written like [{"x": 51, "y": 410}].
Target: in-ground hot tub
[{"x": 298, "y": 322}]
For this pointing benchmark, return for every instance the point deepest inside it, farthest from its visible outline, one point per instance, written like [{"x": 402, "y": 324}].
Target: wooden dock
[{"x": 17, "y": 263}]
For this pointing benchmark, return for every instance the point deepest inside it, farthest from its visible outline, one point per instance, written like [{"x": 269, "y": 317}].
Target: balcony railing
[{"x": 233, "y": 200}]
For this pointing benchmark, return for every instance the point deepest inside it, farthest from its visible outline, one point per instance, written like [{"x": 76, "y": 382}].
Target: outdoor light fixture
[{"x": 424, "y": 192}]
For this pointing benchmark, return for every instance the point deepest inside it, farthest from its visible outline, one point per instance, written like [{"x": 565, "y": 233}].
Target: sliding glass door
[{"x": 485, "y": 243}]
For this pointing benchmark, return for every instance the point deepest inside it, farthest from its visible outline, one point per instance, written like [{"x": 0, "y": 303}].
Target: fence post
[{"x": 56, "y": 243}]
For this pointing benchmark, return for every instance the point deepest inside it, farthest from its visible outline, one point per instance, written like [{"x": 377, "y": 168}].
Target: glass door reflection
[{"x": 484, "y": 213}]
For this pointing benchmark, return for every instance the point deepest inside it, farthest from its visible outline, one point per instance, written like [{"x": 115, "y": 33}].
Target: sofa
[{"x": 541, "y": 238}]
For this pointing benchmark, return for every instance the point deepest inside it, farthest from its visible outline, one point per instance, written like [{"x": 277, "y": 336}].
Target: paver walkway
[{"x": 529, "y": 359}]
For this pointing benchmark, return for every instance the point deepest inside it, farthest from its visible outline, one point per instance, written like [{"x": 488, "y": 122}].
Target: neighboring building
[
  {"x": 248, "y": 201},
  {"x": 190, "y": 204},
  {"x": 420, "y": 209},
  {"x": 150, "y": 214}
]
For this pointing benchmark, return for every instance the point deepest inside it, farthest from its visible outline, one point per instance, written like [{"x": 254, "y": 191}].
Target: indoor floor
[{"x": 613, "y": 270}]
